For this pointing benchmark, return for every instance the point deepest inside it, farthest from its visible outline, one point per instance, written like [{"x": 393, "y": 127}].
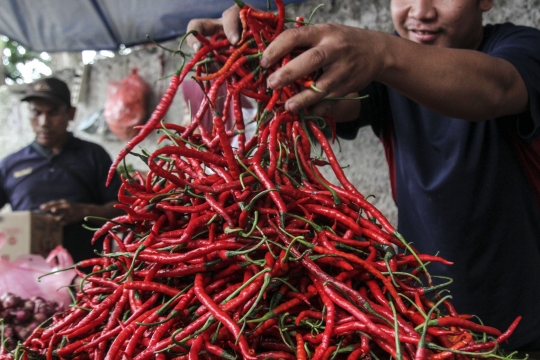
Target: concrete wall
[{"x": 363, "y": 157}]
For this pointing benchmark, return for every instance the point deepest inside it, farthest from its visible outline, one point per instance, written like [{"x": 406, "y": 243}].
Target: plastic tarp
[{"x": 76, "y": 25}]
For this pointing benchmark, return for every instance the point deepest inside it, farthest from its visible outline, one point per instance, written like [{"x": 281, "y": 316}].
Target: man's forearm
[{"x": 461, "y": 83}]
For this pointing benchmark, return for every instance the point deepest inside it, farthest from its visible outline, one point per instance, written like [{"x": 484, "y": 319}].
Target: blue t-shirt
[
  {"x": 29, "y": 179},
  {"x": 470, "y": 191}
]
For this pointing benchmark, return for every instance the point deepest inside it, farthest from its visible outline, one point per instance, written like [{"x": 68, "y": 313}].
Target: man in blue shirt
[
  {"x": 457, "y": 106},
  {"x": 59, "y": 173}
]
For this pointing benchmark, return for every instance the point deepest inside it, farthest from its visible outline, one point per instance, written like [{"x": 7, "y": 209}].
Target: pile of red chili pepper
[{"x": 249, "y": 252}]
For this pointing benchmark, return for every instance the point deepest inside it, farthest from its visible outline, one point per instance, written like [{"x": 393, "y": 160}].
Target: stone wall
[{"x": 363, "y": 157}]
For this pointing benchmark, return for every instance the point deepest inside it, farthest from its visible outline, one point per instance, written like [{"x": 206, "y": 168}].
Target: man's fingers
[
  {"x": 55, "y": 205},
  {"x": 59, "y": 219},
  {"x": 303, "y": 100},
  {"x": 304, "y": 36},
  {"x": 48, "y": 206},
  {"x": 205, "y": 27},
  {"x": 329, "y": 85},
  {"x": 312, "y": 99},
  {"x": 304, "y": 64},
  {"x": 231, "y": 24}
]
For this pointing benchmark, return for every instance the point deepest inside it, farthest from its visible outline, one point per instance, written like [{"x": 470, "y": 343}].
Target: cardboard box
[{"x": 25, "y": 232}]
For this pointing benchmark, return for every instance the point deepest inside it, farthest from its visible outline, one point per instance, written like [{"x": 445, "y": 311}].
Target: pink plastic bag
[
  {"x": 125, "y": 107},
  {"x": 20, "y": 276}
]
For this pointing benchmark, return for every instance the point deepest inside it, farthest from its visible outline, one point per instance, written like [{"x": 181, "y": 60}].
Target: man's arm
[
  {"x": 455, "y": 82},
  {"x": 461, "y": 83}
]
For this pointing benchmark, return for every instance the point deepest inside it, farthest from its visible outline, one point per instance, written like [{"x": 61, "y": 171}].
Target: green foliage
[{"x": 13, "y": 54}]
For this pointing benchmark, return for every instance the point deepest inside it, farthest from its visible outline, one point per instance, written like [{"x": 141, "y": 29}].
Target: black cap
[{"x": 51, "y": 88}]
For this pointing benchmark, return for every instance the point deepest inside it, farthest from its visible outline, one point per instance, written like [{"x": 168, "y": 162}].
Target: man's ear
[{"x": 486, "y": 5}]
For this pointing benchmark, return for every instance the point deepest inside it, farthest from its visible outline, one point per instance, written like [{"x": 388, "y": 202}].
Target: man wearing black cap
[{"x": 57, "y": 172}]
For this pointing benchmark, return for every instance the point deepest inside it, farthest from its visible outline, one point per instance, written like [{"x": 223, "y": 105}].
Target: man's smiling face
[{"x": 445, "y": 23}]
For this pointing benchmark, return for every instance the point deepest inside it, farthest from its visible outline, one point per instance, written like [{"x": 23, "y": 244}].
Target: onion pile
[{"x": 19, "y": 317}]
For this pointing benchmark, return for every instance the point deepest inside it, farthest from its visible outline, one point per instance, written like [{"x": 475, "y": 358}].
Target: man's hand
[
  {"x": 350, "y": 57},
  {"x": 460, "y": 83},
  {"x": 70, "y": 212},
  {"x": 229, "y": 23},
  {"x": 64, "y": 211}
]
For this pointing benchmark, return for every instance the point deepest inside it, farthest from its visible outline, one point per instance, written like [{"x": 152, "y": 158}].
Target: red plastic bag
[
  {"x": 126, "y": 105},
  {"x": 20, "y": 276}
]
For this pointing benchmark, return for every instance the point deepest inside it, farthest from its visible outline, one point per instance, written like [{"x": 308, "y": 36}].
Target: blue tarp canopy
[{"x": 76, "y": 25}]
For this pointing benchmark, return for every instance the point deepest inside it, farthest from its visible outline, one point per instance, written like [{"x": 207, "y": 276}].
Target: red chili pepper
[
  {"x": 162, "y": 107},
  {"x": 245, "y": 30},
  {"x": 329, "y": 321},
  {"x": 97, "y": 311},
  {"x": 222, "y": 316},
  {"x": 226, "y": 67},
  {"x": 281, "y": 19},
  {"x": 124, "y": 335},
  {"x": 300, "y": 351},
  {"x": 267, "y": 182},
  {"x": 357, "y": 354},
  {"x": 492, "y": 344},
  {"x": 226, "y": 146},
  {"x": 282, "y": 355},
  {"x": 218, "y": 351},
  {"x": 465, "y": 324},
  {"x": 108, "y": 226},
  {"x": 369, "y": 267}
]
